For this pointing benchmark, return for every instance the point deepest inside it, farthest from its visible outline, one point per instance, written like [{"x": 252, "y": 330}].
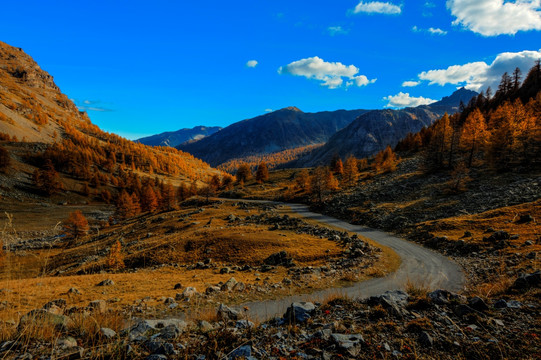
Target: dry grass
[{"x": 505, "y": 218}]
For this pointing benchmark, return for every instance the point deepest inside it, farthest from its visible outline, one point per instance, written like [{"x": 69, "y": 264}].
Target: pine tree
[
  {"x": 262, "y": 173},
  {"x": 318, "y": 182},
  {"x": 76, "y": 225}
]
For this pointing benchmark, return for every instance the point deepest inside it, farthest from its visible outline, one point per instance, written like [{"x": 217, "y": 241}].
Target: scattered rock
[
  {"x": 226, "y": 313},
  {"x": 107, "y": 282},
  {"x": 299, "y": 312}
]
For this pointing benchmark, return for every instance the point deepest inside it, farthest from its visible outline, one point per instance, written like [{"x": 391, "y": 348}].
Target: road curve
[{"x": 420, "y": 265}]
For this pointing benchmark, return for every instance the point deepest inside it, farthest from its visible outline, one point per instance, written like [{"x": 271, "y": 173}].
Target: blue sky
[{"x": 142, "y": 67}]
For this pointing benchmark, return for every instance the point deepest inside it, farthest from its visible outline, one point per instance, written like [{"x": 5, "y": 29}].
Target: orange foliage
[{"x": 76, "y": 225}]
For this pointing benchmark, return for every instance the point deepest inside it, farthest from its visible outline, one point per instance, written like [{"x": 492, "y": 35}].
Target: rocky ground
[
  {"x": 398, "y": 324},
  {"x": 405, "y": 197}
]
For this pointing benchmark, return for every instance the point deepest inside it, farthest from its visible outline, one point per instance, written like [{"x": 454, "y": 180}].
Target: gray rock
[
  {"x": 242, "y": 352},
  {"x": 212, "y": 290},
  {"x": 299, "y": 312},
  {"x": 107, "y": 282},
  {"x": 425, "y": 339},
  {"x": 478, "y": 304},
  {"x": 444, "y": 297},
  {"x": 244, "y": 324},
  {"x": 156, "y": 357},
  {"x": 229, "y": 284},
  {"x": 42, "y": 317},
  {"x": 347, "y": 341},
  {"x": 226, "y": 313},
  {"x": 99, "y": 306},
  {"x": 66, "y": 343},
  {"x": 107, "y": 333},
  {"x": 160, "y": 348},
  {"x": 188, "y": 293},
  {"x": 240, "y": 287}
]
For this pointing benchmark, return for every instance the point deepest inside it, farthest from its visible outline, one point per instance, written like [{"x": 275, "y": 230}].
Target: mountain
[
  {"x": 176, "y": 138},
  {"x": 283, "y": 129},
  {"x": 41, "y": 127},
  {"x": 451, "y": 104},
  {"x": 374, "y": 130}
]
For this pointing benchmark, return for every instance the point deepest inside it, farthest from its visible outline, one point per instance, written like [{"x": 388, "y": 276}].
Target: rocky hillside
[
  {"x": 282, "y": 129},
  {"x": 374, "y": 130},
  {"x": 40, "y": 127},
  {"x": 179, "y": 137}
]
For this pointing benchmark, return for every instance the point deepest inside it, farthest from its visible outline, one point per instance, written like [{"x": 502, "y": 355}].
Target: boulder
[
  {"x": 226, "y": 313},
  {"x": 299, "y": 312},
  {"x": 107, "y": 282},
  {"x": 228, "y": 286}
]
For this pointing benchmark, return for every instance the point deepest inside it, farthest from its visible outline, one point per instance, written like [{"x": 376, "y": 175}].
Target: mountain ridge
[
  {"x": 279, "y": 130},
  {"x": 178, "y": 137}
]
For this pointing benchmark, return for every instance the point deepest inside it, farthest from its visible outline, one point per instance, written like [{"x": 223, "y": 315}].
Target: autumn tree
[
  {"x": 75, "y": 225},
  {"x": 215, "y": 183},
  {"x": 302, "y": 180},
  {"x": 106, "y": 196},
  {"x": 385, "y": 161},
  {"x": 227, "y": 181},
  {"x": 437, "y": 149},
  {"x": 193, "y": 188},
  {"x": 318, "y": 182},
  {"x": 149, "y": 200},
  {"x": 351, "y": 172},
  {"x": 337, "y": 166},
  {"x": 182, "y": 192},
  {"x": 115, "y": 260},
  {"x": 244, "y": 173},
  {"x": 262, "y": 173},
  {"x": 5, "y": 159},
  {"x": 169, "y": 201},
  {"x": 331, "y": 183},
  {"x": 124, "y": 206},
  {"x": 47, "y": 179},
  {"x": 474, "y": 134}
]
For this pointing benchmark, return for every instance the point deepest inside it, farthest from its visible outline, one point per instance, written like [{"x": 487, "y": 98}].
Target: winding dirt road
[{"x": 419, "y": 265}]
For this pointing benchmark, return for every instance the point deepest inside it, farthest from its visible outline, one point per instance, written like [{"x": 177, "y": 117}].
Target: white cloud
[
  {"x": 410, "y": 83},
  {"x": 480, "y": 75},
  {"x": 402, "y": 100},
  {"x": 432, "y": 31},
  {"x": 252, "y": 63},
  {"x": 496, "y": 17},
  {"x": 330, "y": 73},
  {"x": 336, "y": 30},
  {"x": 268, "y": 110},
  {"x": 437, "y": 31},
  {"x": 377, "y": 7}
]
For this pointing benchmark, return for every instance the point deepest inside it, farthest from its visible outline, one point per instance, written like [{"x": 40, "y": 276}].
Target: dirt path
[{"x": 419, "y": 265}]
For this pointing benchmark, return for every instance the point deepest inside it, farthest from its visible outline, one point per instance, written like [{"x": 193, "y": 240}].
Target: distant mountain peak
[
  {"x": 291, "y": 108},
  {"x": 456, "y": 97}
]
